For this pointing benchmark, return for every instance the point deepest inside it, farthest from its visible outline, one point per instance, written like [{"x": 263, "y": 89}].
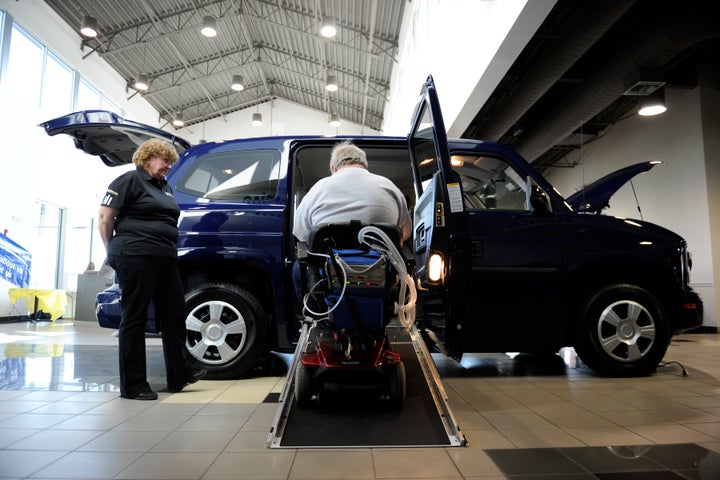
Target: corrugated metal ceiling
[{"x": 274, "y": 45}]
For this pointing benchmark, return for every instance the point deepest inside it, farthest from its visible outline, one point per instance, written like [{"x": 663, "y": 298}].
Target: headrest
[{"x": 345, "y": 234}]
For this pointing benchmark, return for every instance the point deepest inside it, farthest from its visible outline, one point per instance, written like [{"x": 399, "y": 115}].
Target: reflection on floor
[{"x": 523, "y": 416}]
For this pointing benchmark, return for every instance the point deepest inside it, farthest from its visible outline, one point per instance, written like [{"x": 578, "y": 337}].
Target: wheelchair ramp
[{"x": 354, "y": 418}]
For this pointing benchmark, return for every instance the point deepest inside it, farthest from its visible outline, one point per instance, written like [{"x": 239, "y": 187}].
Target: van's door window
[
  {"x": 490, "y": 183},
  {"x": 423, "y": 150}
]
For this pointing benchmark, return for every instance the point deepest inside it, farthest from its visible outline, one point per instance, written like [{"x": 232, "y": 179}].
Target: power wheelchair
[{"x": 356, "y": 282}]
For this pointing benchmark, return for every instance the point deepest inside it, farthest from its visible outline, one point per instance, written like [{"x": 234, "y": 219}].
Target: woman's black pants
[{"x": 144, "y": 279}]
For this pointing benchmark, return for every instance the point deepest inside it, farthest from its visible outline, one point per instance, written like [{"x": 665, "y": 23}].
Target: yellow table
[{"x": 49, "y": 301}]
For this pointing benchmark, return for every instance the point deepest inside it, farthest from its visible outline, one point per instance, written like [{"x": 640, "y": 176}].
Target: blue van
[{"x": 516, "y": 267}]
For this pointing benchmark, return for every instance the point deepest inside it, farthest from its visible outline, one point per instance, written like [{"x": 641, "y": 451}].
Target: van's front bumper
[{"x": 688, "y": 312}]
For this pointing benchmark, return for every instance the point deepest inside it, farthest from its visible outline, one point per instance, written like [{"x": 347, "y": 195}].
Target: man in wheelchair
[
  {"x": 352, "y": 280},
  {"x": 351, "y": 192}
]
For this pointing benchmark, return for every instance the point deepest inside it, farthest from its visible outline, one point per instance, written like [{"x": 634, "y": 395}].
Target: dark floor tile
[
  {"x": 554, "y": 476},
  {"x": 685, "y": 456},
  {"x": 612, "y": 459},
  {"x": 272, "y": 397},
  {"x": 661, "y": 475},
  {"x": 686, "y": 461},
  {"x": 702, "y": 473},
  {"x": 533, "y": 461},
  {"x": 89, "y": 367}
]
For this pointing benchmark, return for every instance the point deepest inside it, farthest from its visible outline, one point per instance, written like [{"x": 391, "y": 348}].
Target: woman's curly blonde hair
[{"x": 154, "y": 148}]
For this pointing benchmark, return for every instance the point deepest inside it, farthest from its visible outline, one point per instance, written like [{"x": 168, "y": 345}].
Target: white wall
[
  {"x": 467, "y": 46},
  {"x": 33, "y": 164},
  {"x": 710, "y": 114},
  {"x": 280, "y": 118},
  {"x": 36, "y": 167},
  {"x": 674, "y": 194}
]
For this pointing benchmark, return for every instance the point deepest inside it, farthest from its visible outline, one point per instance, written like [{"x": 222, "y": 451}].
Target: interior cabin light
[{"x": 435, "y": 267}]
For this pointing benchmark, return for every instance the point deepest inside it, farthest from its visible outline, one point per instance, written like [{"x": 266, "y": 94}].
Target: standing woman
[{"x": 138, "y": 225}]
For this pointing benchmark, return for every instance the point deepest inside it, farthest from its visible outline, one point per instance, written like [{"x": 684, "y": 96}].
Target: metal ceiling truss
[{"x": 274, "y": 45}]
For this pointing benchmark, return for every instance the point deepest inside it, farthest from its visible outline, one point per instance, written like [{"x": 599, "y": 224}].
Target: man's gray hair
[{"x": 346, "y": 153}]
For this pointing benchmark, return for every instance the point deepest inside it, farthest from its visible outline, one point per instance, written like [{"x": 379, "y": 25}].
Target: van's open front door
[{"x": 440, "y": 244}]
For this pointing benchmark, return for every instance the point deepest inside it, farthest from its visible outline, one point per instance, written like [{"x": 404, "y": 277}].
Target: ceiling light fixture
[
  {"x": 178, "y": 121},
  {"x": 257, "y": 119},
  {"x": 89, "y": 26},
  {"x": 141, "y": 82},
  {"x": 653, "y": 104},
  {"x": 331, "y": 84},
  {"x": 202, "y": 139},
  {"x": 327, "y": 27},
  {"x": 237, "y": 83},
  {"x": 209, "y": 26},
  {"x": 334, "y": 120}
]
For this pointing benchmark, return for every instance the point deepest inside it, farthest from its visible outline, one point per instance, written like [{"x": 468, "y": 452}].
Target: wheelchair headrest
[{"x": 345, "y": 235}]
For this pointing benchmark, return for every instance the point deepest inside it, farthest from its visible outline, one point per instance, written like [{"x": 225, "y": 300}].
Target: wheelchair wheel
[
  {"x": 396, "y": 385},
  {"x": 303, "y": 385}
]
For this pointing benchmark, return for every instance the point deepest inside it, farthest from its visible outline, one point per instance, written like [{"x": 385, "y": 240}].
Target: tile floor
[{"x": 523, "y": 417}]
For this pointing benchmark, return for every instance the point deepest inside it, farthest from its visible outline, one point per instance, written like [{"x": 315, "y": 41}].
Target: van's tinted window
[{"x": 239, "y": 176}]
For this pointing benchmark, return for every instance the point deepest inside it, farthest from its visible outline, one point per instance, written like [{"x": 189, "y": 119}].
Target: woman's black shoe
[
  {"x": 191, "y": 377},
  {"x": 144, "y": 395}
]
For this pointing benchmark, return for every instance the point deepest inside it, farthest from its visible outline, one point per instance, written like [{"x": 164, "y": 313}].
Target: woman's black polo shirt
[{"x": 147, "y": 222}]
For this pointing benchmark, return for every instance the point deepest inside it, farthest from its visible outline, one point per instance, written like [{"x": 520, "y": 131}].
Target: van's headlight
[{"x": 435, "y": 267}]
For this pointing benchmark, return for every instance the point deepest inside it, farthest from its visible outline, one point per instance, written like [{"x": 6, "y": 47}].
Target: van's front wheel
[
  {"x": 226, "y": 329},
  {"x": 623, "y": 331}
]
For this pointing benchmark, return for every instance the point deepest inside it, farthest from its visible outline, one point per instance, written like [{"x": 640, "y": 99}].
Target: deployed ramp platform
[{"x": 353, "y": 418}]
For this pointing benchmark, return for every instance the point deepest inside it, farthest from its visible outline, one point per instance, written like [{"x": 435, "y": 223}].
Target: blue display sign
[{"x": 14, "y": 262}]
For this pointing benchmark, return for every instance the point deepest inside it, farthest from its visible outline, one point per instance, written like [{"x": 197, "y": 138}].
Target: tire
[
  {"x": 623, "y": 331},
  {"x": 226, "y": 329},
  {"x": 397, "y": 386},
  {"x": 303, "y": 385}
]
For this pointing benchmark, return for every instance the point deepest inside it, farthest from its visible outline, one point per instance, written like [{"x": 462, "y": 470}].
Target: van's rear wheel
[{"x": 226, "y": 329}]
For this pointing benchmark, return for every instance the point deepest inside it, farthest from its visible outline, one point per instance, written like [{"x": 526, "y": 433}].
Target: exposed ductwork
[
  {"x": 681, "y": 26},
  {"x": 595, "y": 21}
]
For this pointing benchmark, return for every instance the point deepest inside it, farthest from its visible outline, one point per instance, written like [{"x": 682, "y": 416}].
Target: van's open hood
[
  {"x": 596, "y": 196},
  {"x": 109, "y": 136}
]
